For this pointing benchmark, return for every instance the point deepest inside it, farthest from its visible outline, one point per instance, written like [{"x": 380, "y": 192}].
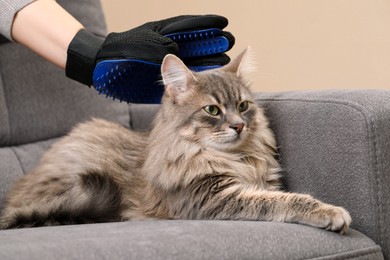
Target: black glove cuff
[{"x": 81, "y": 60}]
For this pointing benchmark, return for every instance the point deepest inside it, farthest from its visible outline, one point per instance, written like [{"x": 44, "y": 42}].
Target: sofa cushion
[
  {"x": 17, "y": 161},
  {"x": 169, "y": 239}
]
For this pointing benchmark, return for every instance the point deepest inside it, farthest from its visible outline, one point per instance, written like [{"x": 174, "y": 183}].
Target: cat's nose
[{"x": 237, "y": 127}]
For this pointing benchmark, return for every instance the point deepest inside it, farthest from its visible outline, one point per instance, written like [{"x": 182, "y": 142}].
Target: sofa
[{"x": 333, "y": 144}]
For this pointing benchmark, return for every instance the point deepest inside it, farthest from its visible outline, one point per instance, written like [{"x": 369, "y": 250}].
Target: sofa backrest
[{"x": 37, "y": 101}]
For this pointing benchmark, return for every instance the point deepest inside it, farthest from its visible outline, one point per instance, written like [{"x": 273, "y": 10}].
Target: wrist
[
  {"x": 46, "y": 28},
  {"x": 81, "y": 56}
]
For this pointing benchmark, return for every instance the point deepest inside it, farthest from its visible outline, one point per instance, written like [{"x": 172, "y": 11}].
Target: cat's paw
[{"x": 331, "y": 218}]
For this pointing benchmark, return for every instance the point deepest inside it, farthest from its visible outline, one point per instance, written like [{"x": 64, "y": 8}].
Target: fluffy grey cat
[{"x": 209, "y": 155}]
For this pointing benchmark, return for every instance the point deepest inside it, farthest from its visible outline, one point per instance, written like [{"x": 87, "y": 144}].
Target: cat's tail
[{"x": 96, "y": 198}]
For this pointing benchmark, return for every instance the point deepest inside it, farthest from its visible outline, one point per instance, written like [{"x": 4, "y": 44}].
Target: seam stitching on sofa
[
  {"x": 18, "y": 158},
  {"x": 12, "y": 148},
  {"x": 366, "y": 114},
  {"x": 377, "y": 170},
  {"x": 6, "y": 106}
]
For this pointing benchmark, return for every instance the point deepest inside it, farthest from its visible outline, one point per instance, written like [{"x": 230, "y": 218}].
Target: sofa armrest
[{"x": 335, "y": 145}]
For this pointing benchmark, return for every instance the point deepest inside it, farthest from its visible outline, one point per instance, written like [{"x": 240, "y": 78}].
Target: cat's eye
[
  {"x": 212, "y": 110},
  {"x": 243, "y": 106}
]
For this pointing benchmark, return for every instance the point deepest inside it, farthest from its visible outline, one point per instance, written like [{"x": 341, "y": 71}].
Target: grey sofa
[{"x": 334, "y": 145}]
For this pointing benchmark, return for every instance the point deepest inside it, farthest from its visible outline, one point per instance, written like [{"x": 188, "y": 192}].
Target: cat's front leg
[
  {"x": 300, "y": 208},
  {"x": 251, "y": 204},
  {"x": 325, "y": 216}
]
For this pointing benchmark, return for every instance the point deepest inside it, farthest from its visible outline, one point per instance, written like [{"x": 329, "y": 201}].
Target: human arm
[
  {"x": 49, "y": 30},
  {"x": 8, "y": 9},
  {"x": 46, "y": 28}
]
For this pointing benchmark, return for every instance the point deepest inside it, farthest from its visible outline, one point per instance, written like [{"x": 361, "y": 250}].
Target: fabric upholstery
[
  {"x": 141, "y": 116},
  {"x": 37, "y": 101},
  {"x": 16, "y": 161},
  {"x": 185, "y": 240},
  {"x": 333, "y": 145}
]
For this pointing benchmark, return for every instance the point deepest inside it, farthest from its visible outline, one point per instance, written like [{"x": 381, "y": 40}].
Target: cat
[{"x": 209, "y": 155}]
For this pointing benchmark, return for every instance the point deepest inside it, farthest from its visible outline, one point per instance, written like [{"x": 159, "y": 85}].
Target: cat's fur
[{"x": 191, "y": 165}]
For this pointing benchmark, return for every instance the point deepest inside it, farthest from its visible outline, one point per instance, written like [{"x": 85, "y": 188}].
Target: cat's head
[{"x": 213, "y": 108}]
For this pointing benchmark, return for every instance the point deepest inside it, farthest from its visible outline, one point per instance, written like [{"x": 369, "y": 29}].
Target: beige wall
[{"x": 299, "y": 44}]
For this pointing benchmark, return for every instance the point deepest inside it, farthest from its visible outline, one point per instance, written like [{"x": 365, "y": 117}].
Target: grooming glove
[{"x": 126, "y": 66}]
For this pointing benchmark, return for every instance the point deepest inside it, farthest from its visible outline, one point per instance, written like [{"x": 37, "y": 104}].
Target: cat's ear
[
  {"x": 176, "y": 77},
  {"x": 243, "y": 64}
]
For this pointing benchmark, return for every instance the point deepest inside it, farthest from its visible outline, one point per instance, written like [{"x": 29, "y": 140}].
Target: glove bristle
[
  {"x": 200, "y": 43},
  {"x": 132, "y": 81}
]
